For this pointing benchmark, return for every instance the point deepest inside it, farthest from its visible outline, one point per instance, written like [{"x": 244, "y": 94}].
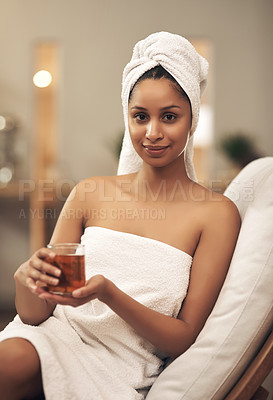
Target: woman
[{"x": 138, "y": 305}]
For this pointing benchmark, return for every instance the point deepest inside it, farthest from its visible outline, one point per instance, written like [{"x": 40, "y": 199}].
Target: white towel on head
[{"x": 177, "y": 55}]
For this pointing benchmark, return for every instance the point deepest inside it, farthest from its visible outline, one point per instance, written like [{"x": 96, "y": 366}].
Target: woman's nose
[{"x": 153, "y": 132}]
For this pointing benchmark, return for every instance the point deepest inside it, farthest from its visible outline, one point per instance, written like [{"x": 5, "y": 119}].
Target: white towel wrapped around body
[
  {"x": 178, "y": 57},
  {"x": 88, "y": 352}
]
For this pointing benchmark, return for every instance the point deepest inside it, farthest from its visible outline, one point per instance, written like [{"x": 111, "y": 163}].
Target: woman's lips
[{"x": 155, "y": 150}]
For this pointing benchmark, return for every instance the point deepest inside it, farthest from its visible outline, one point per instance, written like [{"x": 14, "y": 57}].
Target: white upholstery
[{"x": 243, "y": 312}]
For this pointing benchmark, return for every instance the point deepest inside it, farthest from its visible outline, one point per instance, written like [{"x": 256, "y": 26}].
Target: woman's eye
[
  {"x": 140, "y": 117},
  {"x": 169, "y": 117}
]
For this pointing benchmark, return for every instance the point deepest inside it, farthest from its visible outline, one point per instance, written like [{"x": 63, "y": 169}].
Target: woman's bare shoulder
[
  {"x": 95, "y": 181},
  {"x": 216, "y": 207},
  {"x": 100, "y": 187}
]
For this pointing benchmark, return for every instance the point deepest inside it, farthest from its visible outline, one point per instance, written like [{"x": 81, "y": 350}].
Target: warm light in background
[
  {"x": 7, "y": 123},
  {"x": 6, "y": 175},
  {"x": 42, "y": 79},
  {"x": 2, "y": 123},
  {"x": 203, "y": 135}
]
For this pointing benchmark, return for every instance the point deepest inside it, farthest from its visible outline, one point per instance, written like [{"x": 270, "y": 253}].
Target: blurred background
[{"x": 64, "y": 125}]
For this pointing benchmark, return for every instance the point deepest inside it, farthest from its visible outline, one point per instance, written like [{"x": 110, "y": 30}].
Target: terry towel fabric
[
  {"x": 88, "y": 352},
  {"x": 177, "y": 56}
]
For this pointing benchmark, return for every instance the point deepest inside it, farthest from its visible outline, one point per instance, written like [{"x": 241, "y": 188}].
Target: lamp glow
[
  {"x": 203, "y": 135},
  {"x": 42, "y": 79},
  {"x": 2, "y": 123},
  {"x": 5, "y": 175}
]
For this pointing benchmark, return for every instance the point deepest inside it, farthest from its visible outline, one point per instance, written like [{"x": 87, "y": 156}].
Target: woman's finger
[
  {"x": 39, "y": 279},
  {"x": 43, "y": 261},
  {"x": 62, "y": 299},
  {"x": 31, "y": 284},
  {"x": 45, "y": 267},
  {"x": 42, "y": 278},
  {"x": 93, "y": 287},
  {"x": 44, "y": 252},
  {"x": 41, "y": 284},
  {"x": 43, "y": 272}
]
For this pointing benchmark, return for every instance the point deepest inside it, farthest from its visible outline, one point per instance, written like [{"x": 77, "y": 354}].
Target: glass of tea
[{"x": 70, "y": 259}]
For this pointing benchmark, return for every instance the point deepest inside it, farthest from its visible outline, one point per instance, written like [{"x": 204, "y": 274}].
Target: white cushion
[{"x": 243, "y": 312}]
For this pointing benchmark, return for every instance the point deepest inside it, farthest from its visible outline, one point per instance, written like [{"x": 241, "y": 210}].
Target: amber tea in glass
[{"x": 70, "y": 259}]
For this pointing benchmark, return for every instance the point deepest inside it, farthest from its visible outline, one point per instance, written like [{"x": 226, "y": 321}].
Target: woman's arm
[
  {"x": 30, "y": 308},
  {"x": 32, "y": 275},
  {"x": 209, "y": 268},
  {"x": 210, "y": 265}
]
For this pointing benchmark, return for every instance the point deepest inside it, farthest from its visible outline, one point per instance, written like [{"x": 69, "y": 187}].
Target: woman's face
[{"x": 159, "y": 122}]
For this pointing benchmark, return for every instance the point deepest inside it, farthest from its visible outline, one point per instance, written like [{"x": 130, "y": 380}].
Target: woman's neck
[{"x": 163, "y": 182}]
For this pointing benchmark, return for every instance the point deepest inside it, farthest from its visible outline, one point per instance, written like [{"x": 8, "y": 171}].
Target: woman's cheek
[{"x": 136, "y": 132}]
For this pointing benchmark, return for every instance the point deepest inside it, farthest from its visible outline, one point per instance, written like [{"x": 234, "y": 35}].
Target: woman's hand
[
  {"x": 36, "y": 273},
  {"x": 97, "y": 287}
]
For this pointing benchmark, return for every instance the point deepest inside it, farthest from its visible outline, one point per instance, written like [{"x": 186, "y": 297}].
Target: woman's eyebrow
[
  {"x": 138, "y": 108},
  {"x": 163, "y": 108},
  {"x": 172, "y": 106}
]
